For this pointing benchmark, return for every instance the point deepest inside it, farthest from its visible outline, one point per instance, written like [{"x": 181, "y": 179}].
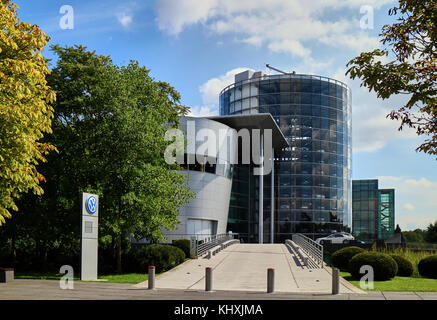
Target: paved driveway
[{"x": 243, "y": 267}]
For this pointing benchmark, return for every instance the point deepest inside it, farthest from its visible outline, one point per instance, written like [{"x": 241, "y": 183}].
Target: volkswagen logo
[{"x": 91, "y": 205}]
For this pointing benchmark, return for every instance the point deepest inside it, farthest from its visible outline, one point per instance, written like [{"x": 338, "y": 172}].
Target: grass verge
[
  {"x": 398, "y": 284},
  {"x": 111, "y": 278}
]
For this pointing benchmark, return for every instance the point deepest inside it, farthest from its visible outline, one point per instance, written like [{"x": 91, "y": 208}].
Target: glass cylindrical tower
[{"x": 313, "y": 186}]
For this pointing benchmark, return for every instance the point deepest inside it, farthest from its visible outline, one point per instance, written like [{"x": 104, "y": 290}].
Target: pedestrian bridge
[{"x": 243, "y": 267}]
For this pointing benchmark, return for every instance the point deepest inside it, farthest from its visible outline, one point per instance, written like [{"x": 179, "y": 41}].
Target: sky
[{"x": 199, "y": 45}]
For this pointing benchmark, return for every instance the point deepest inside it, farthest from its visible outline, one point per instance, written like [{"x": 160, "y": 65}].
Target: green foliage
[
  {"x": 109, "y": 124},
  {"x": 384, "y": 266},
  {"x": 340, "y": 258},
  {"x": 431, "y": 233},
  {"x": 405, "y": 267},
  {"x": 184, "y": 245},
  {"x": 117, "y": 118},
  {"x": 398, "y": 284},
  {"x": 24, "y": 108},
  {"x": 411, "y": 67},
  {"x": 162, "y": 256},
  {"x": 428, "y": 267},
  {"x": 414, "y": 256},
  {"x": 416, "y": 236}
]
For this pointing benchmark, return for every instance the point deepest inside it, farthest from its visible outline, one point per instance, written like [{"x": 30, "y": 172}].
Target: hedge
[
  {"x": 428, "y": 267},
  {"x": 384, "y": 266},
  {"x": 184, "y": 245},
  {"x": 162, "y": 256},
  {"x": 405, "y": 267},
  {"x": 340, "y": 258}
]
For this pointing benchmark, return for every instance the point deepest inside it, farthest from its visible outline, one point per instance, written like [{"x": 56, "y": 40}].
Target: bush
[
  {"x": 405, "y": 267},
  {"x": 384, "y": 266},
  {"x": 184, "y": 245},
  {"x": 162, "y": 256},
  {"x": 340, "y": 258},
  {"x": 428, "y": 267}
]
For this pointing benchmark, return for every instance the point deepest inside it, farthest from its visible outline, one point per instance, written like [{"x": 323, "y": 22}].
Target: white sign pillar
[{"x": 89, "y": 239}]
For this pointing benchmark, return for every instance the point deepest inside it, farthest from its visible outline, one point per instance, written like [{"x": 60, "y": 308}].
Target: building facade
[
  {"x": 312, "y": 177},
  {"x": 211, "y": 152},
  {"x": 373, "y": 211},
  {"x": 210, "y": 179}
]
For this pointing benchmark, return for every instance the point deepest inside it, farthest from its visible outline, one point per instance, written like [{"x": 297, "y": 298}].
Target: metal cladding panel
[
  {"x": 89, "y": 236},
  {"x": 211, "y": 202}
]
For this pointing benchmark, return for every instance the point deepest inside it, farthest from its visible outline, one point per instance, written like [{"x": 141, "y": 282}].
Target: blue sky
[{"x": 198, "y": 45}]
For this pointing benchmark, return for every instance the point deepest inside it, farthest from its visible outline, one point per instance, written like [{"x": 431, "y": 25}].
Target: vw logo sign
[{"x": 91, "y": 205}]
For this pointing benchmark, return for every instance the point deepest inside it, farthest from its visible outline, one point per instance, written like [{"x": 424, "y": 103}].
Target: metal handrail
[
  {"x": 310, "y": 247},
  {"x": 212, "y": 241}
]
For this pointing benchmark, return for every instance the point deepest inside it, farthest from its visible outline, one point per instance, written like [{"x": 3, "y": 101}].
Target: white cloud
[
  {"x": 210, "y": 90},
  {"x": 174, "y": 15},
  {"x": 415, "y": 200},
  {"x": 371, "y": 129},
  {"x": 292, "y": 46},
  {"x": 409, "y": 207},
  {"x": 125, "y": 19},
  {"x": 282, "y": 25},
  {"x": 202, "y": 111}
]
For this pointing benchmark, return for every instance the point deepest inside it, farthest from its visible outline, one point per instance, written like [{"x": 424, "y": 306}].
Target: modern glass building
[
  {"x": 372, "y": 210},
  {"x": 312, "y": 178}
]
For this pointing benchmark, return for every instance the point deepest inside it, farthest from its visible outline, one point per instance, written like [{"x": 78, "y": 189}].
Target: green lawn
[
  {"x": 125, "y": 278},
  {"x": 40, "y": 276},
  {"x": 398, "y": 284},
  {"x": 111, "y": 278}
]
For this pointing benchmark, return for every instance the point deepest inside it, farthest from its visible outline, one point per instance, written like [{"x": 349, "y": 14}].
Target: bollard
[
  {"x": 151, "y": 278},
  {"x": 270, "y": 280},
  {"x": 335, "y": 281},
  {"x": 208, "y": 279}
]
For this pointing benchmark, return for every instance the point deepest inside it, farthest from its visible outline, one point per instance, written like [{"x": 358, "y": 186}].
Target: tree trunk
[
  {"x": 44, "y": 257},
  {"x": 13, "y": 246},
  {"x": 119, "y": 254}
]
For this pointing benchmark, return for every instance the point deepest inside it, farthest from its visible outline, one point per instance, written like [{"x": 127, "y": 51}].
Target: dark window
[
  {"x": 325, "y": 87},
  {"x": 306, "y": 86},
  {"x": 316, "y": 99},
  {"x": 316, "y": 86}
]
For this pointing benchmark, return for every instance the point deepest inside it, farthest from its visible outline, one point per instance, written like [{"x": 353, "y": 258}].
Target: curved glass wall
[{"x": 312, "y": 177}]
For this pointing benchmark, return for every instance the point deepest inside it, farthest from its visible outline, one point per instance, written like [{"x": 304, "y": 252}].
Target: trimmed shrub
[
  {"x": 184, "y": 245},
  {"x": 384, "y": 266},
  {"x": 428, "y": 267},
  {"x": 340, "y": 258},
  {"x": 162, "y": 256},
  {"x": 405, "y": 267}
]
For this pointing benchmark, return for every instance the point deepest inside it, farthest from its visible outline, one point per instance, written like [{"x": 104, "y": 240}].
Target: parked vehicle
[{"x": 341, "y": 237}]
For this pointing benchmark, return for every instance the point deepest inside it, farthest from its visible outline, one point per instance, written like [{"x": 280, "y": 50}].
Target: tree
[
  {"x": 416, "y": 236},
  {"x": 109, "y": 125},
  {"x": 413, "y": 72},
  {"x": 25, "y": 113},
  {"x": 431, "y": 233}
]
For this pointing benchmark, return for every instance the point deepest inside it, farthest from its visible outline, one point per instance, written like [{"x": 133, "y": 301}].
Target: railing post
[
  {"x": 270, "y": 280},
  {"x": 208, "y": 279},
  {"x": 321, "y": 262},
  {"x": 151, "y": 277}
]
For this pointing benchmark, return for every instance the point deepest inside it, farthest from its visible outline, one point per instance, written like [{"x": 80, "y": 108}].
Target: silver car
[{"x": 341, "y": 237}]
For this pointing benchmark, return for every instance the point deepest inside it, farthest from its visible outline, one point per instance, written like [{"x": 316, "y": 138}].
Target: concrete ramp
[{"x": 243, "y": 267}]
